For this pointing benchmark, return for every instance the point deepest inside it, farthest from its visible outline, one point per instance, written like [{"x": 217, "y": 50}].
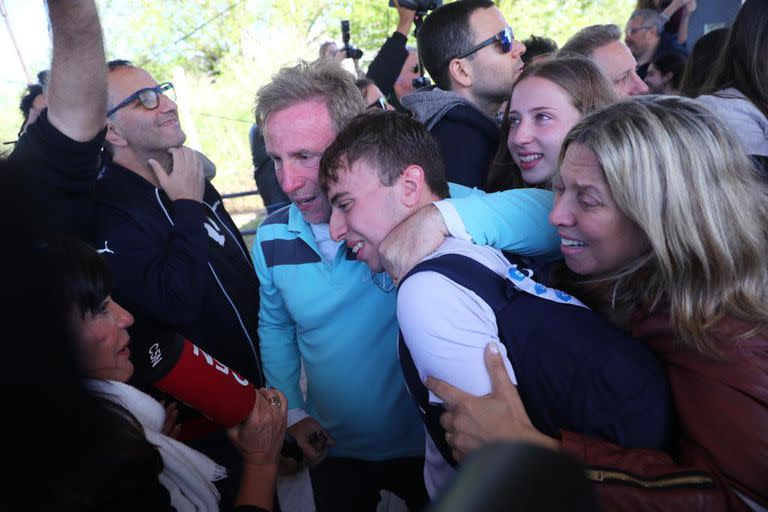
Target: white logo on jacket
[
  {"x": 105, "y": 249},
  {"x": 214, "y": 231}
]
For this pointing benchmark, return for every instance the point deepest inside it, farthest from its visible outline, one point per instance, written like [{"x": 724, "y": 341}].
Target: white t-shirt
[{"x": 446, "y": 328}]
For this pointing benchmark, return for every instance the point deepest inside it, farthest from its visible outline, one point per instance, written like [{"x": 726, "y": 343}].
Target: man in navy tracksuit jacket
[{"x": 177, "y": 258}]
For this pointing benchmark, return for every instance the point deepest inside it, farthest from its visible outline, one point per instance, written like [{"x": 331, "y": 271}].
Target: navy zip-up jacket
[{"x": 180, "y": 263}]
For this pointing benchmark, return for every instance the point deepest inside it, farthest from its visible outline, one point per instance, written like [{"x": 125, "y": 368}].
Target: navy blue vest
[{"x": 574, "y": 370}]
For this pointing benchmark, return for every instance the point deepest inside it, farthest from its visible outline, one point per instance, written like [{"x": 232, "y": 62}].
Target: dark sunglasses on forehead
[
  {"x": 149, "y": 97},
  {"x": 505, "y": 38}
]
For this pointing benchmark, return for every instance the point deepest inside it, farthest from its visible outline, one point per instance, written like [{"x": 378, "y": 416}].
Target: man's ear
[
  {"x": 668, "y": 78},
  {"x": 460, "y": 71},
  {"x": 412, "y": 185},
  {"x": 114, "y": 135}
]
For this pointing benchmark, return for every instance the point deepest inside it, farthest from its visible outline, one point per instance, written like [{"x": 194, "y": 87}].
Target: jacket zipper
[{"x": 601, "y": 475}]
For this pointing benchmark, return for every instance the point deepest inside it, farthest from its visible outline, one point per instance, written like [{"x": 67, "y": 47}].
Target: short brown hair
[{"x": 389, "y": 141}]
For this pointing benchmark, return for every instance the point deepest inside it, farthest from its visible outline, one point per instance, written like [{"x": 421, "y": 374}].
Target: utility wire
[
  {"x": 13, "y": 40},
  {"x": 225, "y": 118},
  {"x": 186, "y": 36}
]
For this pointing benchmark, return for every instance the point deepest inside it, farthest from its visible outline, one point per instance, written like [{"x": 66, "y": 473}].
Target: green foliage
[
  {"x": 218, "y": 52},
  {"x": 560, "y": 19}
]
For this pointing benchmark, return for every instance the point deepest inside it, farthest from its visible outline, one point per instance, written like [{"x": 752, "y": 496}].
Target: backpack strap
[
  {"x": 490, "y": 287},
  {"x": 470, "y": 274}
]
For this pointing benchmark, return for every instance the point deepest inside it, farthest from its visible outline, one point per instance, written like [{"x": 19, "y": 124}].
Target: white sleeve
[
  {"x": 452, "y": 220},
  {"x": 446, "y": 328},
  {"x": 295, "y": 416}
]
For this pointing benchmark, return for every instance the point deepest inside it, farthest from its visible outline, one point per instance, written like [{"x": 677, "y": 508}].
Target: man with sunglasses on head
[
  {"x": 178, "y": 259},
  {"x": 471, "y": 54}
]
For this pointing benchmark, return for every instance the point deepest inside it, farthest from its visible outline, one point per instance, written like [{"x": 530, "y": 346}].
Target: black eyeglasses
[
  {"x": 631, "y": 31},
  {"x": 380, "y": 103},
  {"x": 505, "y": 38},
  {"x": 149, "y": 97}
]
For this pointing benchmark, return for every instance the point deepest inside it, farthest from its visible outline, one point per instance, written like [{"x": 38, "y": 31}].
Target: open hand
[{"x": 473, "y": 421}]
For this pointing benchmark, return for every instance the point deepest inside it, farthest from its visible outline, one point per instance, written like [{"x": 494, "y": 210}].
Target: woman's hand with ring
[{"x": 260, "y": 436}]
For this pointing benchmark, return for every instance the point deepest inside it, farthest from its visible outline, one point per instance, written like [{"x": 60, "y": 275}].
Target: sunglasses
[
  {"x": 505, "y": 38},
  {"x": 149, "y": 97},
  {"x": 380, "y": 103}
]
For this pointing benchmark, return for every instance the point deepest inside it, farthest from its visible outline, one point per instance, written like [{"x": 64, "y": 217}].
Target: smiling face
[
  {"x": 296, "y": 138},
  {"x": 540, "y": 115},
  {"x": 596, "y": 237},
  {"x": 364, "y": 211},
  {"x": 103, "y": 342},
  {"x": 144, "y": 131}
]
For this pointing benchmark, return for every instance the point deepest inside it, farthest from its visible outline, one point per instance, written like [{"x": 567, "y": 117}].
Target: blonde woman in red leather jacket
[{"x": 664, "y": 224}]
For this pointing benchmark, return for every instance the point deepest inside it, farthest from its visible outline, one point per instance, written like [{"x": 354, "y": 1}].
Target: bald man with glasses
[
  {"x": 472, "y": 55},
  {"x": 177, "y": 257}
]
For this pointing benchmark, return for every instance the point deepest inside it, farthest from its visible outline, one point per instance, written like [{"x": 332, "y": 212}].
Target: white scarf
[{"x": 187, "y": 474}]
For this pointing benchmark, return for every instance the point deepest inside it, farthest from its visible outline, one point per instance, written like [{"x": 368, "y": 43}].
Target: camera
[
  {"x": 420, "y": 6},
  {"x": 352, "y": 52}
]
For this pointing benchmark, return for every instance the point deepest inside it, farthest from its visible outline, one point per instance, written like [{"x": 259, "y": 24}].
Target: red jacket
[{"x": 722, "y": 406}]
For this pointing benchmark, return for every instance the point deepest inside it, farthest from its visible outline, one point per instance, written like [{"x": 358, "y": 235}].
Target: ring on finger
[{"x": 274, "y": 401}]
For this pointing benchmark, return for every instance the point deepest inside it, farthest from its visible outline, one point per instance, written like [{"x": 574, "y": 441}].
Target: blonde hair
[
  {"x": 676, "y": 171},
  {"x": 323, "y": 80}
]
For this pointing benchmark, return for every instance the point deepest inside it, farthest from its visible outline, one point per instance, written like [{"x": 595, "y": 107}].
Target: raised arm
[
  {"x": 77, "y": 84},
  {"x": 386, "y": 65},
  {"x": 689, "y": 6},
  {"x": 513, "y": 220},
  {"x": 682, "y": 31}
]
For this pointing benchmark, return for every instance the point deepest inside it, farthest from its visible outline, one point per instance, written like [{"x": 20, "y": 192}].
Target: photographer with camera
[
  {"x": 330, "y": 50},
  {"x": 471, "y": 54},
  {"x": 396, "y": 67}
]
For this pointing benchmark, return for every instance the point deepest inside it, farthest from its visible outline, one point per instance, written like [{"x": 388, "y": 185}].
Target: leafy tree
[{"x": 218, "y": 52}]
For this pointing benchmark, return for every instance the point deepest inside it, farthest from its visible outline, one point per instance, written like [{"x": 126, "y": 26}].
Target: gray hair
[
  {"x": 651, "y": 18},
  {"x": 587, "y": 40},
  {"x": 323, "y": 80}
]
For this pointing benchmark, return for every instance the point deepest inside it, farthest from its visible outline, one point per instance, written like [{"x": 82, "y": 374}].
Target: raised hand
[{"x": 472, "y": 421}]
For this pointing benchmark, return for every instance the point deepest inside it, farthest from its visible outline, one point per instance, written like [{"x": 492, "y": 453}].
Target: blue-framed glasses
[
  {"x": 505, "y": 38},
  {"x": 149, "y": 97}
]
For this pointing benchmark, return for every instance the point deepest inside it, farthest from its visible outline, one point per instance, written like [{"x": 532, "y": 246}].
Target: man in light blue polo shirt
[{"x": 323, "y": 308}]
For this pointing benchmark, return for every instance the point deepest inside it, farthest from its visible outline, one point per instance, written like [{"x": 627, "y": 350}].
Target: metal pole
[{"x": 13, "y": 40}]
